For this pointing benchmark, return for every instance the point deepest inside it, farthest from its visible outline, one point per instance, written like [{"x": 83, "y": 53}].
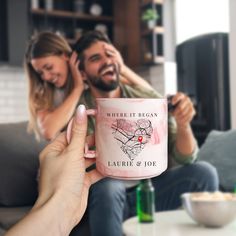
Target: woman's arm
[
  {"x": 63, "y": 185},
  {"x": 55, "y": 217},
  {"x": 128, "y": 75},
  {"x": 50, "y": 122}
]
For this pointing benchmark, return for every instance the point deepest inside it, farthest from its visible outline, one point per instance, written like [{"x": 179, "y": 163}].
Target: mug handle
[{"x": 87, "y": 153}]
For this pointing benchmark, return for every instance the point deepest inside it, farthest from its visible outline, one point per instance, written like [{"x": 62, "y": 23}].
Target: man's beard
[{"x": 102, "y": 85}]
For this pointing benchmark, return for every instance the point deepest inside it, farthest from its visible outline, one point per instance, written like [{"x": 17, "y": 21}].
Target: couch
[{"x": 19, "y": 165}]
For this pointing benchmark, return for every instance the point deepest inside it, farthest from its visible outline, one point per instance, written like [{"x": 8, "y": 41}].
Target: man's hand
[
  {"x": 184, "y": 111},
  {"x": 115, "y": 54}
]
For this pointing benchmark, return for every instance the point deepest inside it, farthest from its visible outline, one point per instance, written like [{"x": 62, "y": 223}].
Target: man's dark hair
[{"x": 85, "y": 41}]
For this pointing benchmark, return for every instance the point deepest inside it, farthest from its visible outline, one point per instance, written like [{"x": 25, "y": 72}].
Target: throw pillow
[{"x": 220, "y": 150}]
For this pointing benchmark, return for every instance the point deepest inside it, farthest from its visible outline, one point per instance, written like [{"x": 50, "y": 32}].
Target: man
[{"x": 101, "y": 67}]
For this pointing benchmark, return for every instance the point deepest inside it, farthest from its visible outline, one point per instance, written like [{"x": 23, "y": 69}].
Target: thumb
[{"x": 77, "y": 131}]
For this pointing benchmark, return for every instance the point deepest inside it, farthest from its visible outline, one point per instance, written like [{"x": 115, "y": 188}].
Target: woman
[{"x": 55, "y": 83}]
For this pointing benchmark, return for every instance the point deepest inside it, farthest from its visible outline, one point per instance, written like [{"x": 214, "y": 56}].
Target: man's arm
[
  {"x": 182, "y": 145},
  {"x": 185, "y": 142}
]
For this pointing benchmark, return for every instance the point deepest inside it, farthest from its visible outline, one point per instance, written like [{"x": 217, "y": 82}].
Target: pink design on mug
[{"x": 132, "y": 136}]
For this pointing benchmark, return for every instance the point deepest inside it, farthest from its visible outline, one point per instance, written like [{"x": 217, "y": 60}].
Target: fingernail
[{"x": 80, "y": 114}]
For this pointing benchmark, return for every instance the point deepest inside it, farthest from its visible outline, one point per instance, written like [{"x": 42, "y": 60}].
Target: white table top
[{"x": 174, "y": 223}]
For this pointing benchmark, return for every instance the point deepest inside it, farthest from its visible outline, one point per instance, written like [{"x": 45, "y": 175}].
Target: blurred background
[{"x": 190, "y": 47}]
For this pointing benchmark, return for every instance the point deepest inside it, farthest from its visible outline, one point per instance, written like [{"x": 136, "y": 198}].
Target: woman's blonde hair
[{"x": 40, "y": 92}]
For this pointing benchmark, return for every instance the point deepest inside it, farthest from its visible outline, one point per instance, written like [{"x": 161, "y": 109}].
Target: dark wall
[
  {"x": 18, "y": 30},
  {"x": 3, "y": 31},
  {"x": 203, "y": 72}
]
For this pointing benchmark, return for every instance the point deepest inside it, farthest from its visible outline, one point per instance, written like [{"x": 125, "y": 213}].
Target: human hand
[
  {"x": 74, "y": 68},
  {"x": 184, "y": 110},
  {"x": 62, "y": 169},
  {"x": 115, "y": 54}
]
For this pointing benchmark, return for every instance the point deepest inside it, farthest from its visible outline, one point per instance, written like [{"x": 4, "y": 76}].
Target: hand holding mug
[
  {"x": 62, "y": 168},
  {"x": 183, "y": 109}
]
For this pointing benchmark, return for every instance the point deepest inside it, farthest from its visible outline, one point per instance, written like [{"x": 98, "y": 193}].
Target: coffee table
[{"x": 174, "y": 223}]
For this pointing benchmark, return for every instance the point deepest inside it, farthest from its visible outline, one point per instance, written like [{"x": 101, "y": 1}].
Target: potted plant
[{"x": 150, "y": 15}]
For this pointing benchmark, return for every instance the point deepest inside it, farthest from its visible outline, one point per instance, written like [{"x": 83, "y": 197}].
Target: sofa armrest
[{"x": 19, "y": 165}]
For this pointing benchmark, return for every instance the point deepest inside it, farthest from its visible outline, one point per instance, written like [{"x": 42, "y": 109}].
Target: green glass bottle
[{"x": 145, "y": 201}]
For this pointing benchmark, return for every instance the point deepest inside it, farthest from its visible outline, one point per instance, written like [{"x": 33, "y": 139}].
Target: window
[{"x": 197, "y": 17}]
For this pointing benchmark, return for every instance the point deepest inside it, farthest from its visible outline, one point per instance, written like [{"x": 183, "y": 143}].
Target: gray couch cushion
[
  {"x": 18, "y": 165},
  {"x": 220, "y": 150},
  {"x": 2, "y": 231}
]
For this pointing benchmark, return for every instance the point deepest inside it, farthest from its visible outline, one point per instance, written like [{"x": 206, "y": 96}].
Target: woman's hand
[
  {"x": 63, "y": 185},
  {"x": 74, "y": 68},
  {"x": 62, "y": 168}
]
